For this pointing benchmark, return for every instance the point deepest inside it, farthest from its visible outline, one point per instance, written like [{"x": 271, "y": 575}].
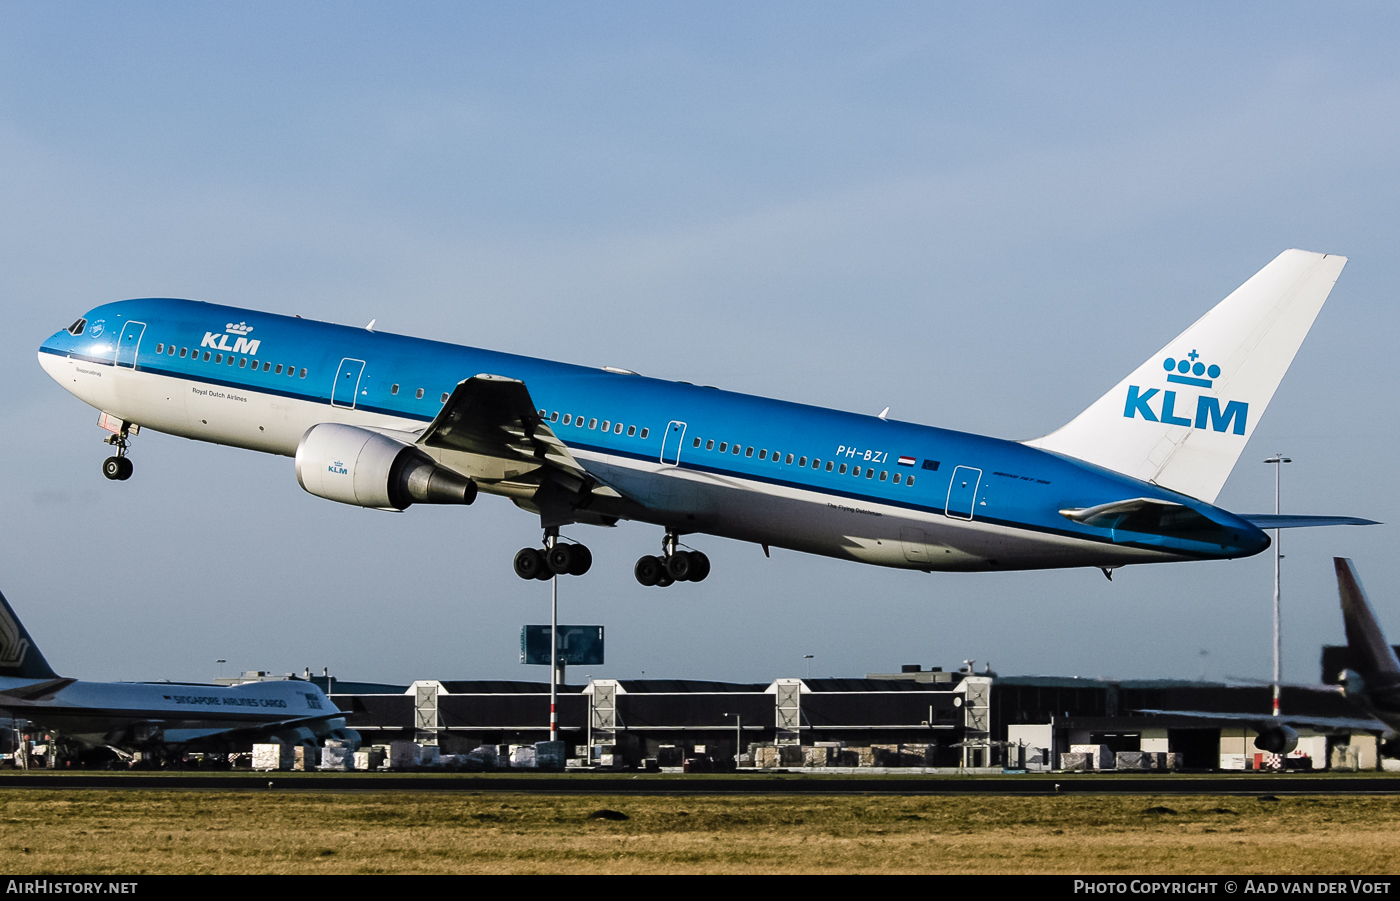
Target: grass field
[{"x": 152, "y": 832}]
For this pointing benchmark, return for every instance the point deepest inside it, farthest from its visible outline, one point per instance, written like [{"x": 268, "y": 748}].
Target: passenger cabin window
[
  {"x": 445, "y": 396},
  {"x": 243, "y": 363},
  {"x": 607, "y": 426},
  {"x": 644, "y": 433},
  {"x": 802, "y": 461},
  {"x": 736, "y": 450},
  {"x": 631, "y": 430},
  {"x": 393, "y": 389},
  {"x": 723, "y": 446},
  {"x": 303, "y": 372},
  {"x": 568, "y": 419},
  {"x": 843, "y": 469},
  {"x": 182, "y": 353},
  {"x": 709, "y": 445},
  {"x": 829, "y": 464},
  {"x": 855, "y": 471},
  {"x": 593, "y": 423},
  {"x": 617, "y": 428},
  {"x": 160, "y": 348},
  {"x": 788, "y": 461},
  {"x": 910, "y": 482},
  {"x": 748, "y": 452},
  {"x": 763, "y": 454},
  {"x": 897, "y": 477},
  {"x": 696, "y": 443},
  {"x": 218, "y": 358},
  {"x": 883, "y": 474},
  {"x": 278, "y": 371}
]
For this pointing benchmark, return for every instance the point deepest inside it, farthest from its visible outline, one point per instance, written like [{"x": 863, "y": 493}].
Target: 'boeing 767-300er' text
[{"x": 384, "y": 421}]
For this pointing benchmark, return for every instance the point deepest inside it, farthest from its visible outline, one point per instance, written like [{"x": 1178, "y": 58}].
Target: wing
[
  {"x": 263, "y": 730},
  {"x": 491, "y": 430},
  {"x": 1264, "y": 721}
]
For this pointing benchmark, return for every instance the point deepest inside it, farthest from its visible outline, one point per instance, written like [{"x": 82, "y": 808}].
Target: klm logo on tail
[{"x": 1208, "y": 413}]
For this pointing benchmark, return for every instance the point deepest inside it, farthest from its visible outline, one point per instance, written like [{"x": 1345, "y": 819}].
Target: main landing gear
[
  {"x": 118, "y": 468},
  {"x": 672, "y": 566},
  {"x": 556, "y": 559}
]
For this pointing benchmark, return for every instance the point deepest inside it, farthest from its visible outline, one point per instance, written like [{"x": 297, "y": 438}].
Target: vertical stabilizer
[
  {"x": 1183, "y": 417},
  {"x": 18, "y": 655},
  {"x": 1370, "y": 654}
]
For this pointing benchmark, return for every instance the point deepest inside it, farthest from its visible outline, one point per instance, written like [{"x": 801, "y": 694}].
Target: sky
[{"x": 982, "y": 216}]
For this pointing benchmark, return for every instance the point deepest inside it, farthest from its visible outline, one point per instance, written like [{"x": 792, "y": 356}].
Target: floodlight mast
[
  {"x": 554, "y": 659},
  {"x": 1277, "y": 460}
]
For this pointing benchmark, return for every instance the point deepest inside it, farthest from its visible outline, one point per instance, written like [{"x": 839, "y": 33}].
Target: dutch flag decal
[{"x": 906, "y": 461}]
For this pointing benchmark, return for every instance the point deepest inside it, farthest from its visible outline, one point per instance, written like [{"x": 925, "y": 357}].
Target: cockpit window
[{"x": 77, "y": 328}]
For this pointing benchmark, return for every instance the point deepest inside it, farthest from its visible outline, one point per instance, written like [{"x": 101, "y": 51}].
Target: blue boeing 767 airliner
[{"x": 385, "y": 421}]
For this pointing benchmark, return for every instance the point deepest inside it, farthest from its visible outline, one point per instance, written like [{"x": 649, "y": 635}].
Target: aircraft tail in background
[
  {"x": 1181, "y": 419},
  {"x": 1371, "y": 655},
  {"x": 19, "y": 657}
]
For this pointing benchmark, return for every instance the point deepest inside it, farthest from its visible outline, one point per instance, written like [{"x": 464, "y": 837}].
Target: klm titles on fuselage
[
  {"x": 1208, "y": 413},
  {"x": 241, "y": 344}
]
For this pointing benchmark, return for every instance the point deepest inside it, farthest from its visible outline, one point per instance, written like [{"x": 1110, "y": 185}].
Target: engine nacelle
[
  {"x": 351, "y": 465},
  {"x": 1278, "y": 739}
]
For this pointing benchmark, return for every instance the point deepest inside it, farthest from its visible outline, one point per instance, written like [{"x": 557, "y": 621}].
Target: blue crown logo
[{"x": 1188, "y": 371}]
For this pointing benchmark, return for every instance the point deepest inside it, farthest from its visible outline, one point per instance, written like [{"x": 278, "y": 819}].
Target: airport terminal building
[{"x": 928, "y": 719}]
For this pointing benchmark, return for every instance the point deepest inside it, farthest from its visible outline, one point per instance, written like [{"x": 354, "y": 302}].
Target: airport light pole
[
  {"x": 554, "y": 659},
  {"x": 1277, "y": 460}
]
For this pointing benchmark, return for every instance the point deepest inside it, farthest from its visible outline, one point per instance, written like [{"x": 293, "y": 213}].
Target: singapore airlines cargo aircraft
[
  {"x": 384, "y": 421},
  {"x": 158, "y": 717}
]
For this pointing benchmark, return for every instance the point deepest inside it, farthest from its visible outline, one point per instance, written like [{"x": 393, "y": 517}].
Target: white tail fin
[{"x": 1183, "y": 417}]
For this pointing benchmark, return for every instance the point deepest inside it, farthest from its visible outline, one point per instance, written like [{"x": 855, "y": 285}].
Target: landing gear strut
[
  {"x": 672, "y": 566},
  {"x": 556, "y": 559},
  {"x": 118, "y": 468}
]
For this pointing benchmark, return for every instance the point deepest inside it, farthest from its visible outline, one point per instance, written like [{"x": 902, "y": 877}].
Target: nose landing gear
[
  {"x": 672, "y": 566},
  {"x": 118, "y": 468}
]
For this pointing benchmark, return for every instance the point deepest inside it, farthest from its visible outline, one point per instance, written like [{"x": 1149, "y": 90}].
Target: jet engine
[
  {"x": 1278, "y": 739},
  {"x": 354, "y": 465}
]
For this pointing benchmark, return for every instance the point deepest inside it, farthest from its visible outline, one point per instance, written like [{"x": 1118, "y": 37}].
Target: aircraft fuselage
[{"x": 690, "y": 458}]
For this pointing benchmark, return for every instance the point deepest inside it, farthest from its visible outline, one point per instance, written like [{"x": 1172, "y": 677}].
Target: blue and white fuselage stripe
[{"x": 968, "y": 502}]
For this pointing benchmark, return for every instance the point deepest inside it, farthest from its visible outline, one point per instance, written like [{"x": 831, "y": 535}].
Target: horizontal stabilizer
[
  {"x": 1288, "y": 521},
  {"x": 1181, "y": 419},
  {"x": 1147, "y": 515}
]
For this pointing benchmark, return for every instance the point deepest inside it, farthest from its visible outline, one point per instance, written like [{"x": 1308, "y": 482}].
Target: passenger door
[
  {"x": 129, "y": 344},
  {"x": 962, "y": 492},
  {"x": 347, "y": 383}
]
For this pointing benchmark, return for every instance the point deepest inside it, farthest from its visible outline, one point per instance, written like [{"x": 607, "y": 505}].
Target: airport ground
[{"x": 285, "y": 829}]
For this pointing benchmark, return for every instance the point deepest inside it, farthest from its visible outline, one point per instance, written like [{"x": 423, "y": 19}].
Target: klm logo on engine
[
  {"x": 1208, "y": 413},
  {"x": 338, "y": 468},
  {"x": 240, "y": 345}
]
